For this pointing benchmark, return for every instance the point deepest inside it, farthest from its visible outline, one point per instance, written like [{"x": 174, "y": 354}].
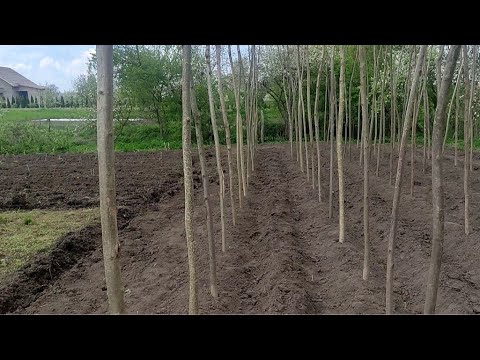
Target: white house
[{"x": 13, "y": 84}]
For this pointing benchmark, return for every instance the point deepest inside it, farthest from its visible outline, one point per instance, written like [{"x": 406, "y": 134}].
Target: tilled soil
[{"x": 283, "y": 255}]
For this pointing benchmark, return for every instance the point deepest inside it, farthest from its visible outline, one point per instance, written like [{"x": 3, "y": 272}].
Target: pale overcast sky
[{"x": 55, "y": 64}]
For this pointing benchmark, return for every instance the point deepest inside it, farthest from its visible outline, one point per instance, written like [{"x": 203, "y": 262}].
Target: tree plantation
[{"x": 261, "y": 179}]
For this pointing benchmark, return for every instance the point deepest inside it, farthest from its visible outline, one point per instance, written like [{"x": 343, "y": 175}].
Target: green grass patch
[
  {"x": 15, "y": 115},
  {"x": 24, "y": 233}
]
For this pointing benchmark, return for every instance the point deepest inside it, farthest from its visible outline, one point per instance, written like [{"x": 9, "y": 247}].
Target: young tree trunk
[
  {"x": 332, "y": 114},
  {"x": 350, "y": 108},
  {"x": 238, "y": 124},
  {"x": 425, "y": 127},
  {"x": 451, "y": 105},
  {"x": 359, "y": 129},
  {"x": 439, "y": 70},
  {"x": 226, "y": 126},
  {"x": 327, "y": 94},
  {"x": 437, "y": 182},
  {"x": 106, "y": 180},
  {"x": 374, "y": 95},
  {"x": 414, "y": 142},
  {"x": 466, "y": 136},
  {"x": 248, "y": 116},
  {"x": 316, "y": 120},
  {"x": 187, "y": 178},
  {"x": 457, "y": 109},
  {"x": 341, "y": 196},
  {"x": 299, "y": 110},
  {"x": 221, "y": 179},
  {"x": 398, "y": 181},
  {"x": 296, "y": 120},
  {"x": 393, "y": 108},
  {"x": 472, "y": 95},
  {"x": 287, "y": 100},
  {"x": 407, "y": 87},
  {"x": 309, "y": 112},
  {"x": 262, "y": 130},
  {"x": 365, "y": 145},
  {"x": 381, "y": 136},
  {"x": 206, "y": 192},
  {"x": 416, "y": 110}
]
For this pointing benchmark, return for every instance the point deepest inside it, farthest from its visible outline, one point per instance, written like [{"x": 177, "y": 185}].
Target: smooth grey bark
[
  {"x": 213, "y": 119},
  {"x": 240, "y": 125},
  {"x": 341, "y": 108},
  {"x": 316, "y": 120},
  {"x": 365, "y": 146},
  {"x": 451, "y": 105},
  {"x": 106, "y": 180},
  {"x": 309, "y": 112},
  {"x": 466, "y": 137},
  {"x": 438, "y": 195},
  {"x": 187, "y": 178},
  {"x": 398, "y": 182},
  {"x": 331, "y": 126},
  {"x": 226, "y": 126},
  {"x": 206, "y": 191}
]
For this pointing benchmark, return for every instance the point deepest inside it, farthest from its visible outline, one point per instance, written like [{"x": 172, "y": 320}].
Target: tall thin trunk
[
  {"x": 407, "y": 87},
  {"x": 381, "y": 136},
  {"x": 472, "y": 95},
  {"x": 393, "y": 107},
  {"x": 398, "y": 181},
  {"x": 439, "y": 70},
  {"x": 287, "y": 101},
  {"x": 374, "y": 100},
  {"x": 451, "y": 105},
  {"x": 341, "y": 196},
  {"x": 226, "y": 126},
  {"x": 316, "y": 120},
  {"x": 106, "y": 180},
  {"x": 327, "y": 94},
  {"x": 350, "y": 108},
  {"x": 425, "y": 127},
  {"x": 365, "y": 145},
  {"x": 238, "y": 124},
  {"x": 309, "y": 112},
  {"x": 457, "y": 110},
  {"x": 187, "y": 178},
  {"x": 248, "y": 115},
  {"x": 359, "y": 123},
  {"x": 206, "y": 191},
  {"x": 299, "y": 110},
  {"x": 466, "y": 134},
  {"x": 437, "y": 182},
  {"x": 221, "y": 179},
  {"x": 332, "y": 114},
  {"x": 414, "y": 138},
  {"x": 262, "y": 130}
]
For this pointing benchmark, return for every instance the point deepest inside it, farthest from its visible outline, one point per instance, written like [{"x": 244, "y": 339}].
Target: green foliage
[{"x": 27, "y": 220}]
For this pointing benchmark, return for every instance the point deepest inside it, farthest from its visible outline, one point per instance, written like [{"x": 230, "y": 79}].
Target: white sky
[{"x": 55, "y": 64}]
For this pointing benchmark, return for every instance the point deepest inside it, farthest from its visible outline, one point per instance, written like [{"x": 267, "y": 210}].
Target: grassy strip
[{"x": 25, "y": 233}]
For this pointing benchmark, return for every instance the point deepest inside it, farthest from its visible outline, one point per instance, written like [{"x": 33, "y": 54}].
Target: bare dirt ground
[{"x": 283, "y": 255}]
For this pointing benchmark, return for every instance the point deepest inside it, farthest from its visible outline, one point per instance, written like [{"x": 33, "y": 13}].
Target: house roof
[{"x": 15, "y": 79}]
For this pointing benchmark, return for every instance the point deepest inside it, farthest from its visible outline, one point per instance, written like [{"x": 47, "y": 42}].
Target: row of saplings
[{"x": 297, "y": 125}]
